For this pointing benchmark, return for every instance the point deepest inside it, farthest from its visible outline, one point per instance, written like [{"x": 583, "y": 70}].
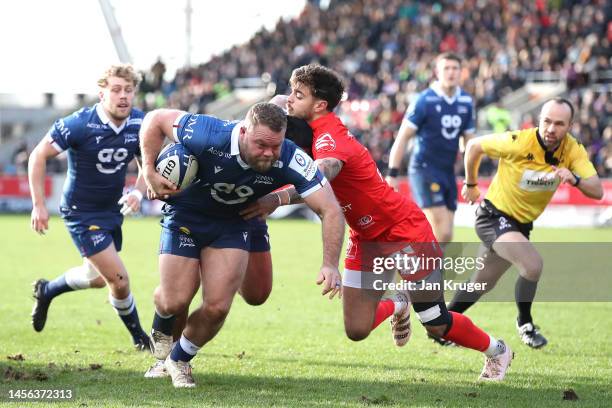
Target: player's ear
[
  {"x": 320, "y": 105},
  {"x": 101, "y": 94}
]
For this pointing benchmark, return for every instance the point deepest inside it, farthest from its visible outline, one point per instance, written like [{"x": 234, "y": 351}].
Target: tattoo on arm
[{"x": 330, "y": 167}]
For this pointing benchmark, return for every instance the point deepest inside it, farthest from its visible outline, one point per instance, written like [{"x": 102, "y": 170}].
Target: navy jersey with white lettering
[
  {"x": 439, "y": 121},
  {"x": 226, "y": 184},
  {"x": 98, "y": 156}
]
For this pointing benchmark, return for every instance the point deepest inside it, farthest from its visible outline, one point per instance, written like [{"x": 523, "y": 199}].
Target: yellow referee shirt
[{"x": 524, "y": 182}]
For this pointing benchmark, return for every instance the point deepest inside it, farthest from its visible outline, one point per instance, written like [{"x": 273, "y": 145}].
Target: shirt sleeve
[
  {"x": 580, "y": 163},
  {"x": 193, "y": 131},
  {"x": 304, "y": 174},
  {"x": 64, "y": 133},
  {"x": 415, "y": 114},
  {"x": 500, "y": 145}
]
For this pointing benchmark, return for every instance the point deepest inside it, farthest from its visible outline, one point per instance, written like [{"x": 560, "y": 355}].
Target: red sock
[
  {"x": 384, "y": 309},
  {"x": 465, "y": 333}
]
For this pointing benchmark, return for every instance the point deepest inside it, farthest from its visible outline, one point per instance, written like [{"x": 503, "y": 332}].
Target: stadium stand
[{"x": 385, "y": 48}]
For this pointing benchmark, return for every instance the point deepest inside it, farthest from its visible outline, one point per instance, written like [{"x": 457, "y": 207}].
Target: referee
[{"x": 532, "y": 164}]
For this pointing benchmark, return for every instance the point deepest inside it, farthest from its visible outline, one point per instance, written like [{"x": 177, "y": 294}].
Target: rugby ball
[{"x": 177, "y": 164}]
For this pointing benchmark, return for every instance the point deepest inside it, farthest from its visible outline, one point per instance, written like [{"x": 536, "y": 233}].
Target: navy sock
[
  {"x": 126, "y": 309},
  {"x": 56, "y": 287},
  {"x": 178, "y": 354},
  {"x": 163, "y": 324}
]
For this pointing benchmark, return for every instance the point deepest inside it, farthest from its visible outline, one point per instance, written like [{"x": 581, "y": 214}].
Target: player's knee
[
  {"x": 97, "y": 283},
  {"x": 445, "y": 236},
  {"x": 357, "y": 332},
  {"x": 216, "y": 312},
  {"x": 168, "y": 305},
  {"x": 532, "y": 268},
  {"x": 256, "y": 297},
  {"x": 119, "y": 283},
  {"x": 256, "y": 300}
]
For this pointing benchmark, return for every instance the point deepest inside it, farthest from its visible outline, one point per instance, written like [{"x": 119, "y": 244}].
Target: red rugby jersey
[{"x": 369, "y": 204}]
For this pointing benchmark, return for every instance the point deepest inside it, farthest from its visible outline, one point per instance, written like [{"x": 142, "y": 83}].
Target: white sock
[
  {"x": 80, "y": 277},
  {"x": 495, "y": 347},
  {"x": 123, "y": 306},
  {"x": 188, "y": 346}
]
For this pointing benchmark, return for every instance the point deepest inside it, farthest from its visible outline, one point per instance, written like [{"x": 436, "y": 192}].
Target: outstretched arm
[{"x": 323, "y": 202}]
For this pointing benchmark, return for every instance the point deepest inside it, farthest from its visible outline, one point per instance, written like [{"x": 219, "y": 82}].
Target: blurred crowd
[{"x": 385, "y": 49}]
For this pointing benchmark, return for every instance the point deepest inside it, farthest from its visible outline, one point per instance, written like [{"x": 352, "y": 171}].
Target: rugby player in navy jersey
[
  {"x": 257, "y": 283},
  {"x": 438, "y": 118},
  {"x": 204, "y": 238},
  {"x": 100, "y": 142}
]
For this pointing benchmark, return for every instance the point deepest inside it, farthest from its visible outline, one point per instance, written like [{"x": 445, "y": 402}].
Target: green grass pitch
[{"x": 292, "y": 351}]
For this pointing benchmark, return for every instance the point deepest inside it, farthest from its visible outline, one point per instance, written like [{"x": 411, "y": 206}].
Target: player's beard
[{"x": 261, "y": 165}]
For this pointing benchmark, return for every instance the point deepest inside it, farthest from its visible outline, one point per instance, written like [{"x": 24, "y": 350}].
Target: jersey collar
[
  {"x": 321, "y": 121},
  {"x": 234, "y": 147},
  {"x": 437, "y": 88},
  {"x": 106, "y": 120}
]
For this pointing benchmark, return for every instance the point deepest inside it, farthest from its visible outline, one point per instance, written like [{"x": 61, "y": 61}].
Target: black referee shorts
[{"x": 492, "y": 223}]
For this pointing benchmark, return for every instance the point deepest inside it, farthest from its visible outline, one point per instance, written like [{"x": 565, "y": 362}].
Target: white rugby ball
[{"x": 177, "y": 164}]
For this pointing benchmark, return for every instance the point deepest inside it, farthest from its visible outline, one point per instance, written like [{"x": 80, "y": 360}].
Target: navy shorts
[
  {"x": 189, "y": 238},
  {"x": 93, "y": 232},
  {"x": 432, "y": 187}
]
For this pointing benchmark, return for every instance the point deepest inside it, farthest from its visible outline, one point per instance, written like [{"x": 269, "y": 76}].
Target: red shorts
[{"x": 409, "y": 237}]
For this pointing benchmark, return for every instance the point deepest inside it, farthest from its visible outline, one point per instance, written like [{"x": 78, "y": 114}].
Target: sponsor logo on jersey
[
  {"x": 135, "y": 121},
  {"x": 365, "y": 221},
  {"x": 261, "y": 179},
  {"x": 346, "y": 208},
  {"x": 188, "y": 128},
  {"x": 93, "y": 228},
  {"x": 97, "y": 238},
  {"x": 245, "y": 235},
  {"x": 465, "y": 99},
  {"x": 278, "y": 164},
  {"x": 325, "y": 143},
  {"x": 303, "y": 165},
  {"x": 462, "y": 109},
  {"x": 438, "y": 108},
  {"x": 185, "y": 241},
  {"x": 98, "y": 138},
  {"x": 529, "y": 156},
  {"x": 218, "y": 169},
  {"x": 434, "y": 187},
  {"x": 95, "y": 126},
  {"x": 131, "y": 138},
  {"x": 219, "y": 153},
  {"x": 538, "y": 181},
  {"x": 185, "y": 230}
]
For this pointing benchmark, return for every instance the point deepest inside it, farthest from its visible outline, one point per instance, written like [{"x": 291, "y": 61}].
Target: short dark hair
[
  {"x": 563, "y": 101},
  {"x": 448, "y": 56},
  {"x": 267, "y": 114},
  {"x": 324, "y": 83}
]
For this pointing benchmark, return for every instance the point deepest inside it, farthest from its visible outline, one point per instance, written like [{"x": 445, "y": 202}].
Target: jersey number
[
  {"x": 108, "y": 155},
  {"x": 243, "y": 192},
  {"x": 450, "y": 126}
]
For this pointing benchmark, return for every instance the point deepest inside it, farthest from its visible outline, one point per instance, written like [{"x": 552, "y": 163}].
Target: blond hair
[{"x": 125, "y": 71}]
